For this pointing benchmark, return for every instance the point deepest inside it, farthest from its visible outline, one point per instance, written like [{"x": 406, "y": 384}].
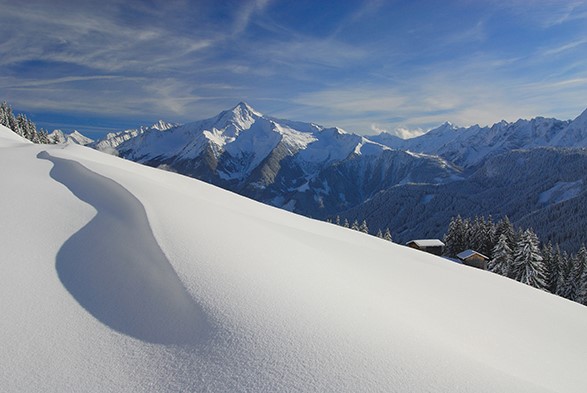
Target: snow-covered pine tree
[
  {"x": 5, "y": 113},
  {"x": 32, "y": 131},
  {"x": 489, "y": 238},
  {"x": 582, "y": 285},
  {"x": 527, "y": 265},
  {"x": 504, "y": 226},
  {"x": 337, "y": 220},
  {"x": 563, "y": 283},
  {"x": 387, "y": 235},
  {"x": 477, "y": 234},
  {"x": 363, "y": 227},
  {"x": 355, "y": 225},
  {"x": 551, "y": 267},
  {"x": 502, "y": 257},
  {"x": 21, "y": 128},
  {"x": 345, "y": 223},
  {"x": 455, "y": 239},
  {"x": 573, "y": 286},
  {"x": 43, "y": 136},
  {"x": 21, "y": 125},
  {"x": 379, "y": 234}
]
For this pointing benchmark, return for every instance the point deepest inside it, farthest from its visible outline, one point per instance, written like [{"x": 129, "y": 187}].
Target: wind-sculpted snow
[
  {"x": 115, "y": 269},
  {"x": 293, "y": 304}
]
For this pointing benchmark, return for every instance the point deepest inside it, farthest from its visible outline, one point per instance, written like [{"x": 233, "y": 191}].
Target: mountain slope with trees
[{"x": 543, "y": 188}]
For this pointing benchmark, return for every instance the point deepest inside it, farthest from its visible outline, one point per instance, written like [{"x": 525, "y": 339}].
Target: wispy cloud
[
  {"x": 374, "y": 65},
  {"x": 246, "y": 12},
  {"x": 564, "y": 47}
]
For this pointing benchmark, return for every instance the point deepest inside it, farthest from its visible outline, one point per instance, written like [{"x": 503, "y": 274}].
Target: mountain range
[{"x": 391, "y": 182}]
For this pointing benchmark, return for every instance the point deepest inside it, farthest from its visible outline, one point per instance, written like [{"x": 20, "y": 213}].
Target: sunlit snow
[{"x": 119, "y": 277}]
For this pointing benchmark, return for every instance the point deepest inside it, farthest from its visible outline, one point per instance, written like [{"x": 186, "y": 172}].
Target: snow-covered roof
[
  {"x": 469, "y": 253},
  {"x": 427, "y": 243}
]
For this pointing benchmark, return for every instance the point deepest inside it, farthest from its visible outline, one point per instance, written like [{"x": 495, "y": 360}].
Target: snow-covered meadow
[{"x": 120, "y": 277}]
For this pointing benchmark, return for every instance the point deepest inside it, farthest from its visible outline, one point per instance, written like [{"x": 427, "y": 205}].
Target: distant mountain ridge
[
  {"x": 470, "y": 146},
  {"x": 322, "y": 172},
  {"x": 298, "y": 166},
  {"x": 75, "y": 136}
]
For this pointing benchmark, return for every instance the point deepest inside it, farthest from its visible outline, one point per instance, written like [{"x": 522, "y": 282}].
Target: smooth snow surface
[
  {"x": 114, "y": 267},
  {"x": 235, "y": 296}
]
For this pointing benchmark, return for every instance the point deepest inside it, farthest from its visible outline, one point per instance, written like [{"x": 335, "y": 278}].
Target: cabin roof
[
  {"x": 469, "y": 253},
  {"x": 426, "y": 243}
]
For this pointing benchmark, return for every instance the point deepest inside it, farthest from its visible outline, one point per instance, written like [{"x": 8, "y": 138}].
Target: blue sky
[{"x": 365, "y": 66}]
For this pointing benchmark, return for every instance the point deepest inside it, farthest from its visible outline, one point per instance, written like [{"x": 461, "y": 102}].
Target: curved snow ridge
[{"x": 114, "y": 268}]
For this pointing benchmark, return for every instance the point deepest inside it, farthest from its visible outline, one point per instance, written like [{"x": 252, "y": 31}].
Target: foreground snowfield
[{"x": 119, "y": 277}]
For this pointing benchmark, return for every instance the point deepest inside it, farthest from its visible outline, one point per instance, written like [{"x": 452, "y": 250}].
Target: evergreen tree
[
  {"x": 502, "y": 257},
  {"x": 455, "y": 237},
  {"x": 21, "y": 128},
  {"x": 477, "y": 235},
  {"x": 5, "y": 113},
  {"x": 387, "y": 235},
  {"x": 355, "y": 225},
  {"x": 337, "y": 220},
  {"x": 563, "y": 283},
  {"x": 505, "y": 227},
  {"x": 582, "y": 284},
  {"x": 363, "y": 227},
  {"x": 379, "y": 234},
  {"x": 21, "y": 125},
  {"x": 345, "y": 223},
  {"x": 489, "y": 238},
  {"x": 43, "y": 136},
  {"x": 551, "y": 266},
  {"x": 527, "y": 266},
  {"x": 7, "y": 118},
  {"x": 573, "y": 286}
]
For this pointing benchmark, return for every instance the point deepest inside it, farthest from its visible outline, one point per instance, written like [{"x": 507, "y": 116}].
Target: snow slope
[{"x": 237, "y": 296}]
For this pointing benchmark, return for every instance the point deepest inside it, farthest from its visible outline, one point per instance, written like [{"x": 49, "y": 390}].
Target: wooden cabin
[
  {"x": 432, "y": 246},
  {"x": 473, "y": 258}
]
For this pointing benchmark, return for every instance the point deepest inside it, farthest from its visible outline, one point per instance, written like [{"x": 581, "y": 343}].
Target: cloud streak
[{"x": 398, "y": 66}]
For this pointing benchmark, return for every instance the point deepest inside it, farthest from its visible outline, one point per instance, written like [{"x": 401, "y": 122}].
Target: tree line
[
  {"x": 361, "y": 227},
  {"x": 21, "y": 125},
  {"x": 517, "y": 254}
]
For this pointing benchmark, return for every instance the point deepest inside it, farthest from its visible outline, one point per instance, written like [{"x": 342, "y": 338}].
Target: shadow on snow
[{"x": 115, "y": 269}]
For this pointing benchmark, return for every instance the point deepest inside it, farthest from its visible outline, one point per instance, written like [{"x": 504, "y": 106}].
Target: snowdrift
[{"x": 119, "y": 277}]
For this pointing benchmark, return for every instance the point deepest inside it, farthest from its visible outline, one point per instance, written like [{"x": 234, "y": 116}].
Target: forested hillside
[
  {"x": 541, "y": 188},
  {"x": 21, "y": 125}
]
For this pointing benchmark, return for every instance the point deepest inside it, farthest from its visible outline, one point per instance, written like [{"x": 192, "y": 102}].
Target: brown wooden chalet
[
  {"x": 432, "y": 246},
  {"x": 473, "y": 258}
]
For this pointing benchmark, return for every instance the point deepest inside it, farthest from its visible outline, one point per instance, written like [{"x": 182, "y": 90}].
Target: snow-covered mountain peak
[
  {"x": 575, "y": 134},
  {"x": 232, "y": 121},
  {"x": 162, "y": 125},
  {"x": 73, "y": 137},
  {"x": 335, "y": 131},
  {"x": 581, "y": 120},
  {"x": 243, "y": 107}
]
